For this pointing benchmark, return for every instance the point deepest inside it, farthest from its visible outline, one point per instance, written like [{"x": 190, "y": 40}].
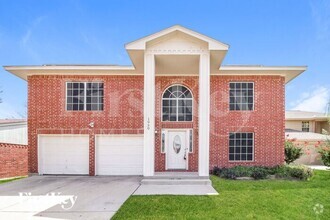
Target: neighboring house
[
  {"x": 175, "y": 109},
  {"x": 306, "y": 121},
  {"x": 310, "y": 143},
  {"x": 13, "y": 131}
]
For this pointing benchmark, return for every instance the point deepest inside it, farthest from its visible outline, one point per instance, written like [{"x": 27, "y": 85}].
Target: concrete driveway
[{"x": 65, "y": 197}]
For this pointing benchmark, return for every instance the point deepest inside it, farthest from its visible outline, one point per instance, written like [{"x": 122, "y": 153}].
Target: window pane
[
  {"x": 165, "y": 117},
  {"x": 180, "y": 107},
  {"x": 94, "y": 107},
  {"x": 190, "y": 141},
  {"x": 232, "y": 107},
  {"x": 166, "y": 103},
  {"x": 231, "y": 157},
  {"x": 95, "y": 97},
  {"x": 173, "y": 118},
  {"x": 163, "y": 142},
  {"x": 166, "y": 110},
  {"x": 188, "y": 117},
  {"x": 75, "y": 107},
  {"x": 181, "y": 117},
  {"x": 69, "y": 107},
  {"x": 188, "y": 110},
  {"x": 81, "y": 107},
  {"x": 238, "y": 149},
  {"x": 241, "y": 95},
  {"x": 231, "y": 143}
]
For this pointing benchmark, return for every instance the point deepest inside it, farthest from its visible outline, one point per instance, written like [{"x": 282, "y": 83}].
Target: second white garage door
[{"x": 119, "y": 155}]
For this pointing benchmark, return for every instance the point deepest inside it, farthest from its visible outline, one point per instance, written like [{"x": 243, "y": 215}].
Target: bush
[
  {"x": 325, "y": 150},
  {"x": 258, "y": 172},
  {"x": 241, "y": 171},
  {"x": 298, "y": 172},
  {"x": 292, "y": 152},
  {"x": 325, "y": 155}
]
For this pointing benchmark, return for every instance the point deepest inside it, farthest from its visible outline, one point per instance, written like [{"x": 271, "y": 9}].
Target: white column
[
  {"x": 204, "y": 115},
  {"x": 149, "y": 115}
]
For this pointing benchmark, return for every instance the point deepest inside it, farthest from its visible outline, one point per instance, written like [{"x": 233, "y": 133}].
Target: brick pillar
[{"x": 91, "y": 153}]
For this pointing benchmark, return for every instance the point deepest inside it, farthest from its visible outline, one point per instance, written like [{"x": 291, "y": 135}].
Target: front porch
[{"x": 181, "y": 54}]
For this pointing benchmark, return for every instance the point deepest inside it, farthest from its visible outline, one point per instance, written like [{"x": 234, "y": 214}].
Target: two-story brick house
[{"x": 175, "y": 109}]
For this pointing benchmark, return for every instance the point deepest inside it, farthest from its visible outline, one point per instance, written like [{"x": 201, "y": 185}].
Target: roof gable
[{"x": 141, "y": 43}]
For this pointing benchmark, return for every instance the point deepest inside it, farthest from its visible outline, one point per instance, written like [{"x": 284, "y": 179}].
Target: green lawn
[{"x": 262, "y": 199}]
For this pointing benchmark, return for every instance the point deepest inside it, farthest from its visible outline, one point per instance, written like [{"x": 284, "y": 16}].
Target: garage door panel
[
  {"x": 62, "y": 154},
  {"x": 119, "y": 155}
]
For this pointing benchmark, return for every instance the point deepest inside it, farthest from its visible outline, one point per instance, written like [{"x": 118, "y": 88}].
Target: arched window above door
[{"x": 177, "y": 104}]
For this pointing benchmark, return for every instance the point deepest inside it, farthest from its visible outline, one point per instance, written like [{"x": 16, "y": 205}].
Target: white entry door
[{"x": 177, "y": 147}]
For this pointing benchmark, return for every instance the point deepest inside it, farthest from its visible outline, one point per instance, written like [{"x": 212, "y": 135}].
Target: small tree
[
  {"x": 292, "y": 152},
  {"x": 325, "y": 149}
]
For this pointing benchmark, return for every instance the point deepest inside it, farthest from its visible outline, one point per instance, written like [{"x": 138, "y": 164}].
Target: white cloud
[
  {"x": 315, "y": 100},
  {"x": 26, "y": 39}
]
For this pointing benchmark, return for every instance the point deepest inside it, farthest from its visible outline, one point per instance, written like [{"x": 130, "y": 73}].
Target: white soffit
[{"x": 289, "y": 72}]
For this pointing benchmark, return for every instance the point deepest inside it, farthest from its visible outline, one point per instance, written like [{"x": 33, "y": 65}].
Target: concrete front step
[
  {"x": 173, "y": 181},
  {"x": 176, "y": 175}
]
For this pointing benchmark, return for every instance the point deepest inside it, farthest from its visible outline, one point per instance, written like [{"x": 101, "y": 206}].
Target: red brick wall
[
  {"x": 123, "y": 110},
  {"x": 123, "y": 113},
  {"x": 13, "y": 160},
  {"x": 266, "y": 120}
]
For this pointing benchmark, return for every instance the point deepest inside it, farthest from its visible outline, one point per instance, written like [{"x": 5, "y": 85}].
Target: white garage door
[
  {"x": 63, "y": 154},
  {"x": 119, "y": 155}
]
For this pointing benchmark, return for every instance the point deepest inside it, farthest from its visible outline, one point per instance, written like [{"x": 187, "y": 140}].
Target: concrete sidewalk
[{"x": 319, "y": 167}]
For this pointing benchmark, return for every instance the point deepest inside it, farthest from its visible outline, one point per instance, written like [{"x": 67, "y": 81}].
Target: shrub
[
  {"x": 325, "y": 155},
  {"x": 325, "y": 150},
  {"x": 259, "y": 173},
  {"x": 292, "y": 152},
  {"x": 298, "y": 172},
  {"x": 241, "y": 171}
]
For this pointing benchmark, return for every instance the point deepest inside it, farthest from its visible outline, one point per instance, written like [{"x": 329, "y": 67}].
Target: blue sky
[{"x": 278, "y": 32}]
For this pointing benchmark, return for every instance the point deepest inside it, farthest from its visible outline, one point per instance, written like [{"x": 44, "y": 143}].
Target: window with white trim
[
  {"x": 305, "y": 126},
  {"x": 241, "y": 96},
  {"x": 177, "y": 104},
  {"x": 241, "y": 146},
  {"x": 163, "y": 142},
  {"x": 84, "y": 96},
  {"x": 190, "y": 141}
]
